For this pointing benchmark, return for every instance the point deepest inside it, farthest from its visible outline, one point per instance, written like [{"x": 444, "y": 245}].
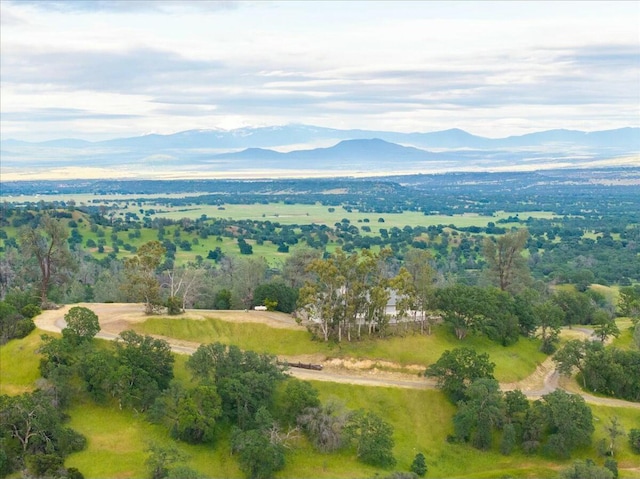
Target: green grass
[
  {"x": 421, "y": 424},
  {"x": 629, "y": 419},
  {"x": 251, "y": 336},
  {"x": 117, "y": 439},
  {"x": 625, "y": 340},
  {"x": 19, "y": 362},
  {"x": 512, "y": 363}
]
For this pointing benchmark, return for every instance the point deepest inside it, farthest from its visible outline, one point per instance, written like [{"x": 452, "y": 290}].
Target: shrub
[
  {"x": 634, "y": 440},
  {"x": 30, "y": 311},
  {"x": 174, "y": 305},
  {"x": 419, "y": 465}
]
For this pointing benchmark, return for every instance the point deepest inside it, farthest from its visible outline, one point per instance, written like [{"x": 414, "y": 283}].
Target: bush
[
  {"x": 174, "y": 305},
  {"x": 30, "y": 311},
  {"x": 42, "y": 465},
  {"x": 24, "y": 327},
  {"x": 612, "y": 465},
  {"x": 373, "y": 437},
  {"x": 634, "y": 440},
  {"x": 419, "y": 465}
]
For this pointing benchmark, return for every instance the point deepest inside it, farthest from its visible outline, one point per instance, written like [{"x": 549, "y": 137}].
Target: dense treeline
[
  {"x": 596, "y": 243},
  {"x": 565, "y": 192}
]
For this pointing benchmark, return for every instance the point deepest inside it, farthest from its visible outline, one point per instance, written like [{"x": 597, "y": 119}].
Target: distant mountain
[
  {"x": 623, "y": 139},
  {"x": 346, "y": 150},
  {"x": 254, "y": 152}
]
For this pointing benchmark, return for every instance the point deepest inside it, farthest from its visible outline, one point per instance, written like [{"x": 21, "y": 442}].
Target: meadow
[{"x": 118, "y": 439}]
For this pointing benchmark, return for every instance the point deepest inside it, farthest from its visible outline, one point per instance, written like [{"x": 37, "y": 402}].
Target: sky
[{"x": 107, "y": 69}]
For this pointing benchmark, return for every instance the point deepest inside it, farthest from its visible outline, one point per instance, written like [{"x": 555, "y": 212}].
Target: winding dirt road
[{"x": 117, "y": 317}]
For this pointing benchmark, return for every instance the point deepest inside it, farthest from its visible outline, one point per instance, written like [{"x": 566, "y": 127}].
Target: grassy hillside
[
  {"x": 512, "y": 363},
  {"x": 117, "y": 439}
]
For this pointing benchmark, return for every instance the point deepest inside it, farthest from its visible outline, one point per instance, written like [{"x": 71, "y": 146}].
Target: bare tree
[
  {"x": 507, "y": 267},
  {"x": 47, "y": 245}
]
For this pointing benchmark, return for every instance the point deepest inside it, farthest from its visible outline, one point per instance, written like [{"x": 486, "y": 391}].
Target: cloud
[
  {"x": 61, "y": 114},
  {"x": 131, "y": 70},
  {"x": 129, "y": 6},
  {"x": 155, "y": 65}
]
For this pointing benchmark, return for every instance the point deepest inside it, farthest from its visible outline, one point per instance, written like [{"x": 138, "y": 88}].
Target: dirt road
[{"x": 117, "y": 317}]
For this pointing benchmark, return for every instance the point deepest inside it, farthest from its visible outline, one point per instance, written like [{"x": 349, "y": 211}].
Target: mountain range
[{"x": 304, "y": 149}]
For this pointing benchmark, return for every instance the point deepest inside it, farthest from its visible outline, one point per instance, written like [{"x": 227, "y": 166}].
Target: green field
[
  {"x": 117, "y": 439},
  {"x": 285, "y": 214}
]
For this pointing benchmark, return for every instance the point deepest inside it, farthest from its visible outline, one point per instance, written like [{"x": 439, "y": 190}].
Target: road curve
[{"x": 115, "y": 318}]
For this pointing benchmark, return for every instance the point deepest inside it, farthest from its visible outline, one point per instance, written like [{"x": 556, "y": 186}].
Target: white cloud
[{"x": 493, "y": 68}]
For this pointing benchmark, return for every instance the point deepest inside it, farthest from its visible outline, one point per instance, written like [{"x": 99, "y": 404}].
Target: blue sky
[{"x": 106, "y": 69}]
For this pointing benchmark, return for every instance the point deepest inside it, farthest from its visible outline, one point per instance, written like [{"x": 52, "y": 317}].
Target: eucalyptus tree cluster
[{"x": 349, "y": 294}]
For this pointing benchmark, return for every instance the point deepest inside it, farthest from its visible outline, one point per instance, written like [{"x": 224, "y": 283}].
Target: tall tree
[
  {"x": 82, "y": 322},
  {"x": 550, "y": 317},
  {"x": 191, "y": 415},
  {"x": 294, "y": 269},
  {"x": 455, "y": 370},
  {"x": 418, "y": 264},
  {"x": 141, "y": 282},
  {"x": 568, "y": 421},
  {"x": 322, "y": 300},
  {"x": 463, "y": 308},
  {"x": 481, "y": 413},
  {"x": 578, "y": 307},
  {"x": 614, "y": 430},
  {"x": 605, "y": 326},
  {"x": 324, "y": 425},
  {"x": 507, "y": 267},
  {"x": 572, "y": 356},
  {"x": 249, "y": 273},
  {"x": 183, "y": 284},
  {"x": 629, "y": 302},
  {"x": 47, "y": 245},
  {"x": 373, "y": 437}
]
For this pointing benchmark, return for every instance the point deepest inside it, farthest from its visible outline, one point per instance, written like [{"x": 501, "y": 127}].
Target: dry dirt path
[{"x": 117, "y": 317}]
